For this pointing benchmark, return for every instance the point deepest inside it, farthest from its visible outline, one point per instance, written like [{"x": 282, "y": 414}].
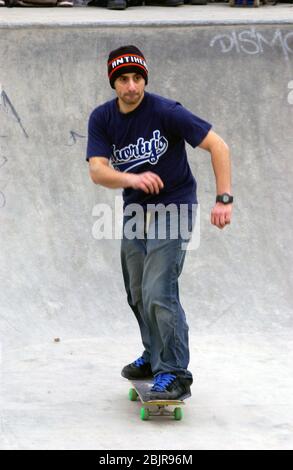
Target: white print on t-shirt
[{"x": 141, "y": 152}]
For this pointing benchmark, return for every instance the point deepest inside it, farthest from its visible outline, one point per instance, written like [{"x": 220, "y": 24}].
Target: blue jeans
[{"x": 151, "y": 267}]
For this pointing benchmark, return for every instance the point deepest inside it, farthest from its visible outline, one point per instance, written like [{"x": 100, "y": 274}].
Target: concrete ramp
[{"x": 57, "y": 281}]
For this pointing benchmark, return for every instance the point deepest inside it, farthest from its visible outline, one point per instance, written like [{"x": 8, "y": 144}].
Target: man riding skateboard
[{"x": 143, "y": 136}]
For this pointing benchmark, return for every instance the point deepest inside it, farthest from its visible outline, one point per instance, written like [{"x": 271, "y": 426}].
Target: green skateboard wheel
[
  {"x": 178, "y": 414},
  {"x": 144, "y": 414},
  {"x": 132, "y": 394}
]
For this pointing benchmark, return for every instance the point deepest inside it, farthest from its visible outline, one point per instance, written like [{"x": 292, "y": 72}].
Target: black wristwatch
[{"x": 225, "y": 198}]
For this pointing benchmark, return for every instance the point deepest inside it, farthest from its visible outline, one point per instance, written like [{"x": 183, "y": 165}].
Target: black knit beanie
[{"x": 126, "y": 59}]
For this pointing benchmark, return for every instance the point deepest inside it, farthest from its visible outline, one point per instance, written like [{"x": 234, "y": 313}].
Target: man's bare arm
[
  {"x": 101, "y": 173},
  {"x": 220, "y": 154}
]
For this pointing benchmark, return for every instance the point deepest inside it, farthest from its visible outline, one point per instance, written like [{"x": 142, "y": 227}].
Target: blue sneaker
[
  {"x": 169, "y": 387},
  {"x": 139, "y": 369}
]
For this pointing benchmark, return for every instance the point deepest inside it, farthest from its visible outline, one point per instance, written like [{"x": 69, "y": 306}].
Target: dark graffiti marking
[
  {"x": 74, "y": 136},
  {"x": 3, "y": 160},
  {"x": 290, "y": 95},
  {"x": 2, "y": 200},
  {"x": 7, "y": 107}
]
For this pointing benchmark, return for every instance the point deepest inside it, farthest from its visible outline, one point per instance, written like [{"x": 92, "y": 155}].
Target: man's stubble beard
[{"x": 132, "y": 99}]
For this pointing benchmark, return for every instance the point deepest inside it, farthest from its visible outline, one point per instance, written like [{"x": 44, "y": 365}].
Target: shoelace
[
  {"x": 139, "y": 362},
  {"x": 162, "y": 381}
]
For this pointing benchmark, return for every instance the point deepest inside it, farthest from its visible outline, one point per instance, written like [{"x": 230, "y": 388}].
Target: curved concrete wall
[{"x": 56, "y": 279}]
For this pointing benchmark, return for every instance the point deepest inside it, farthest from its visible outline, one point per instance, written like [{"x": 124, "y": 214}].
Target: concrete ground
[
  {"x": 233, "y": 67},
  {"x": 69, "y": 395}
]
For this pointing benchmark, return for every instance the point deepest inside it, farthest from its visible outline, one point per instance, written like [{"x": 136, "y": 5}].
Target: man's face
[{"x": 130, "y": 88}]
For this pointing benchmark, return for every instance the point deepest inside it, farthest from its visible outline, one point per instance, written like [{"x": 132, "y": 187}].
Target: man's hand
[
  {"x": 102, "y": 173},
  {"x": 148, "y": 182},
  {"x": 221, "y": 215}
]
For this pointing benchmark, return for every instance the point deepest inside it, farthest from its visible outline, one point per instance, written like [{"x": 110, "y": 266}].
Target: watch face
[{"x": 225, "y": 198}]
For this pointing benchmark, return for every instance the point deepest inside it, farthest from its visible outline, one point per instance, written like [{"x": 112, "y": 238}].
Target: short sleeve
[
  {"x": 187, "y": 125},
  {"x": 98, "y": 144}
]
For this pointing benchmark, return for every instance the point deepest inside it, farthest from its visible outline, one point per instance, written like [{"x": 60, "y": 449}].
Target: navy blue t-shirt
[{"x": 150, "y": 138}]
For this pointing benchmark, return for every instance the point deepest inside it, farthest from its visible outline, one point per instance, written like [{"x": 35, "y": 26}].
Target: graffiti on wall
[{"x": 253, "y": 42}]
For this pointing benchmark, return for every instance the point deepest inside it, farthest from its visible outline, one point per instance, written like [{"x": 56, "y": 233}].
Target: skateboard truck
[{"x": 155, "y": 407}]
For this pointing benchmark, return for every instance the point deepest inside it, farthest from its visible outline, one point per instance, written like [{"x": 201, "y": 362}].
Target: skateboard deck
[{"x": 155, "y": 407}]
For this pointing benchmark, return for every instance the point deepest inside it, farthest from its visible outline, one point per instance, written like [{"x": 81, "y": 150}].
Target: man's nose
[{"x": 131, "y": 85}]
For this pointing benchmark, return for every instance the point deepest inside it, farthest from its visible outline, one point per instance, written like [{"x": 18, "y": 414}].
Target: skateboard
[{"x": 155, "y": 407}]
